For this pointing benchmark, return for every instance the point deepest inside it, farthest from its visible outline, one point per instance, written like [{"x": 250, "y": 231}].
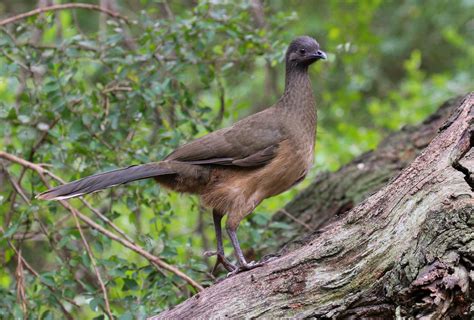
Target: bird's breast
[{"x": 241, "y": 189}]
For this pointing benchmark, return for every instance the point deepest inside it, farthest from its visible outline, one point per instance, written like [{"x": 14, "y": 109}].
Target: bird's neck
[
  {"x": 298, "y": 91},
  {"x": 297, "y": 105}
]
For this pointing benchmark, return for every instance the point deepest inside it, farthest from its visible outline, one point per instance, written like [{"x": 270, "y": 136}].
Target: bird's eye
[{"x": 302, "y": 51}]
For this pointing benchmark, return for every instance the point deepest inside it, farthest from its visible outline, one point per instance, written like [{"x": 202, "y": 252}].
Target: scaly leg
[
  {"x": 221, "y": 259},
  {"x": 242, "y": 263}
]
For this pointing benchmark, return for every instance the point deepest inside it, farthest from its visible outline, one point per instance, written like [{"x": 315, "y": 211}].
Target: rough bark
[
  {"x": 406, "y": 250},
  {"x": 333, "y": 194}
]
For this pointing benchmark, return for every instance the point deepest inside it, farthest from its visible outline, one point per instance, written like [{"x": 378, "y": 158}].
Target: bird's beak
[{"x": 321, "y": 55}]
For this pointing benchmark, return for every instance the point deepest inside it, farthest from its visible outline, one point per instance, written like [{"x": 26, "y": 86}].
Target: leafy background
[{"x": 83, "y": 93}]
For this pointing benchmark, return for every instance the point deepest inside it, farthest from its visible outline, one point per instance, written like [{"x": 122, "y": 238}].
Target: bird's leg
[
  {"x": 221, "y": 259},
  {"x": 242, "y": 263}
]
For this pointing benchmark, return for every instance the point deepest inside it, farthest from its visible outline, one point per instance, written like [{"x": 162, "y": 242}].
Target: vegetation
[{"x": 83, "y": 91}]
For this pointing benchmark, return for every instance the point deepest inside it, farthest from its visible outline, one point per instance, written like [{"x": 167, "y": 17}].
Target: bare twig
[
  {"x": 94, "y": 210},
  {"x": 111, "y": 5},
  {"x": 35, "y": 148},
  {"x": 271, "y": 74},
  {"x": 38, "y": 32},
  {"x": 221, "y": 92},
  {"x": 289, "y": 215},
  {"x": 37, "y": 275},
  {"x": 153, "y": 259},
  {"x": 169, "y": 12},
  {"x": 43, "y": 137},
  {"x": 65, "y": 6},
  {"x": 106, "y": 220},
  {"x": 17, "y": 187},
  {"x": 20, "y": 286},
  {"x": 200, "y": 228},
  {"x": 31, "y": 236},
  {"x": 116, "y": 88},
  {"x": 94, "y": 265},
  {"x": 62, "y": 48},
  {"x": 12, "y": 59},
  {"x": 112, "y": 89}
]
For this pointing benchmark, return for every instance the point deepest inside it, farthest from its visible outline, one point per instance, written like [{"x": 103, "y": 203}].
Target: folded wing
[{"x": 249, "y": 142}]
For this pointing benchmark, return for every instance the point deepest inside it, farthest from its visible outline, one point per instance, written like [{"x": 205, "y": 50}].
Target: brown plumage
[{"x": 234, "y": 169}]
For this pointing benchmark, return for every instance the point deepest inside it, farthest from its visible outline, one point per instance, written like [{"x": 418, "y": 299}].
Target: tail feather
[{"x": 105, "y": 180}]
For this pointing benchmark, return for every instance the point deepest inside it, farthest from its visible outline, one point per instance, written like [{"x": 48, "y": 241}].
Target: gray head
[{"x": 303, "y": 51}]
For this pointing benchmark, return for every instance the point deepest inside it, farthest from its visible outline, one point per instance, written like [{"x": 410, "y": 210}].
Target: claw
[
  {"x": 221, "y": 259},
  {"x": 244, "y": 267},
  {"x": 225, "y": 263}
]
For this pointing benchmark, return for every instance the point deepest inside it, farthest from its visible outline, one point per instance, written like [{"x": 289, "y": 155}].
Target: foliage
[{"x": 87, "y": 94}]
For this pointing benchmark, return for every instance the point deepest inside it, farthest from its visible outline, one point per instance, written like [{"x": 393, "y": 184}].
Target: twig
[
  {"x": 94, "y": 210},
  {"x": 21, "y": 64},
  {"x": 153, "y": 259},
  {"x": 116, "y": 88},
  {"x": 38, "y": 32},
  {"x": 271, "y": 76},
  {"x": 94, "y": 265},
  {"x": 200, "y": 228},
  {"x": 43, "y": 137},
  {"x": 87, "y": 204},
  {"x": 112, "y": 6},
  {"x": 16, "y": 186},
  {"x": 111, "y": 89},
  {"x": 36, "y": 274},
  {"x": 99, "y": 138},
  {"x": 20, "y": 286},
  {"x": 36, "y": 146},
  {"x": 106, "y": 220},
  {"x": 43, "y": 46},
  {"x": 10, "y": 35},
  {"x": 221, "y": 92},
  {"x": 168, "y": 11},
  {"x": 31, "y": 236},
  {"x": 289, "y": 215},
  {"x": 64, "y": 6},
  {"x": 42, "y": 227}
]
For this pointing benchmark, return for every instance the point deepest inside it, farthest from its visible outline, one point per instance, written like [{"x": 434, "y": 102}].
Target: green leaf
[
  {"x": 129, "y": 284},
  {"x": 95, "y": 303}
]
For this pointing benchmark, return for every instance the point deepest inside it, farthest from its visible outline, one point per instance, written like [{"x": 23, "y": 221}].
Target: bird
[{"x": 234, "y": 169}]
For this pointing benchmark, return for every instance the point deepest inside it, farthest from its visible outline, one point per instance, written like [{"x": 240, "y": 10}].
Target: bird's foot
[
  {"x": 245, "y": 267},
  {"x": 269, "y": 259},
  {"x": 221, "y": 259}
]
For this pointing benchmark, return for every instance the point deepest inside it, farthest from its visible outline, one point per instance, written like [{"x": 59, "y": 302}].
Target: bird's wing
[{"x": 253, "y": 141}]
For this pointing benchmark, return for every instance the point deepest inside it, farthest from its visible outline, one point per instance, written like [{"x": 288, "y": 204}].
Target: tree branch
[
  {"x": 153, "y": 259},
  {"x": 94, "y": 265},
  {"x": 65, "y": 6}
]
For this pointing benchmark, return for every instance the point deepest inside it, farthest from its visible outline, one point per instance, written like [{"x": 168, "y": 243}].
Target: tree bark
[
  {"x": 333, "y": 194},
  {"x": 407, "y": 250}
]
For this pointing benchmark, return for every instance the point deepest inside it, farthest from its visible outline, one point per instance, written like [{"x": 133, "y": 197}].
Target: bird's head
[{"x": 303, "y": 51}]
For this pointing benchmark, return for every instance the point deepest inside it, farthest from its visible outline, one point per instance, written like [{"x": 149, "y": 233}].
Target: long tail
[{"x": 105, "y": 180}]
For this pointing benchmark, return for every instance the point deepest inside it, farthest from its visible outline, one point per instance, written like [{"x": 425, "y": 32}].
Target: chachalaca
[{"x": 235, "y": 168}]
